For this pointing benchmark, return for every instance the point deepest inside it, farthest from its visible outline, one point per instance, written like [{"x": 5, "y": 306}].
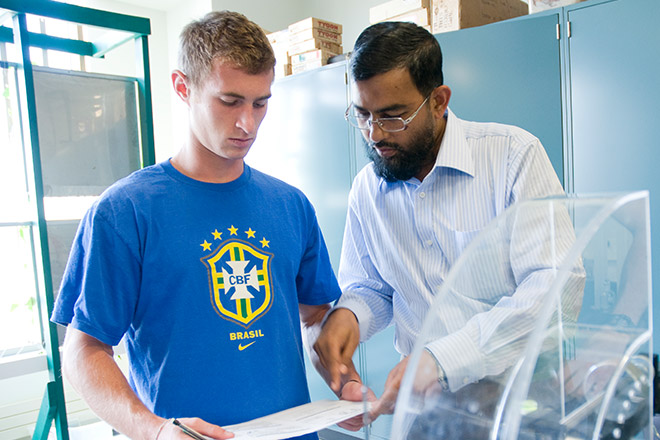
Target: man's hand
[
  {"x": 169, "y": 431},
  {"x": 426, "y": 376},
  {"x": 335, "y": 346},
  {"x": 352, "y": 390}
]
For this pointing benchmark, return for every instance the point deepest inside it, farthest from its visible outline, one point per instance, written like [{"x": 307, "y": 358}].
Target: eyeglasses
[{"x": 390, "y": 125}]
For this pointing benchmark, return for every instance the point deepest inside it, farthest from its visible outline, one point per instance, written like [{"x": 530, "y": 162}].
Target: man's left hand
[{"x": 426, "y": 377}]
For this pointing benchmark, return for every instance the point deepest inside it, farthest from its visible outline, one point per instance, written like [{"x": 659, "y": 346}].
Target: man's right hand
[
  {"x": 335, "y": 346},
  {"x": 170, "y": 431}
]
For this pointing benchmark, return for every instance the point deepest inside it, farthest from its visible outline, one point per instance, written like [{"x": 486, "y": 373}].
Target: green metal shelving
[{"x": 53, "y": 408}]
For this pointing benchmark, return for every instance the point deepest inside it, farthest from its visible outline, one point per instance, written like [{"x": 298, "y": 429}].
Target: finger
[
  {"x": 352, "y": 424},
  {"x": 208, "y": 429},
  {"x": 330, "y": 360},
  {"x": 387, "y": 401}
]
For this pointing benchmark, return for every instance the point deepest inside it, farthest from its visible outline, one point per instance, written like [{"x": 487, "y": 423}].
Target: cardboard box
[
  {"x": 419, "y": 16},
  {"x": 307, "y": 65},
  {"x": 314, "y": 33},
  {"x": 279, "y": 41},
  {"x": 280, "y": 49},
  {"x": 318, "y": 54},
  {"x": 451, "y": 15},
  {"x": 279, "y": 37},
  {"x": 308, "y": 45},
  {"x": 282, "y": 69},
  {"x": 392, "y": 8},
  {"x": 315, "y": 23},
  {"x": 542, "y": 5}
]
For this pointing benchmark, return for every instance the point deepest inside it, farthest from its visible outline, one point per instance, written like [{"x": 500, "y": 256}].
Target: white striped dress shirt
[{"x": 402, "y": 238}]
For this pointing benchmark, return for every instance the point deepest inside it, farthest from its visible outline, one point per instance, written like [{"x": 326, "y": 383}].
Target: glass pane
[
  {"x": 13, "y": 181},
  {"x": 89, "y": 138},
  {"x": 88, "y": 131},
  {"x": 19, "y": 318}
]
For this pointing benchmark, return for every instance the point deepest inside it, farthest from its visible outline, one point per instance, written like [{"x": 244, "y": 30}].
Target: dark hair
[
  {"x": 389, "y": 45},
  {"x": 227, "y": 35}
]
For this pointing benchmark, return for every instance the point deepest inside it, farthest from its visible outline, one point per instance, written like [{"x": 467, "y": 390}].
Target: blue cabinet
[
  {"x": 509, "y": 72},
  {"x": 613, "y": 64}
]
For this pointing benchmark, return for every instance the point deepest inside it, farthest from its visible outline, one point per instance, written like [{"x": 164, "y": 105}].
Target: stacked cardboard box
[
  {"x": 312, "y": 42},
  {"x": 415, "y": 11},
  {"x": 447, "y": 15},
  {"x": 542, "y": 5},
  {"x": 280, "y": 42},
  {"x": 451, "y": 15}
]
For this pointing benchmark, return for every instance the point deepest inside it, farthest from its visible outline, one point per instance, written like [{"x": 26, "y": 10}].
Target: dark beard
[{"x": 408, "y": 162}]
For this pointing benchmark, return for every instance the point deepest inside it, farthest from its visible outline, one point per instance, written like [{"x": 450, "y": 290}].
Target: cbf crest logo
[{"x": 239, "y": 275}]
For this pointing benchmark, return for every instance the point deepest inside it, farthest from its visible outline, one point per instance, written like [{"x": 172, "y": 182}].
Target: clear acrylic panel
[{"x": 577, "y": 363}]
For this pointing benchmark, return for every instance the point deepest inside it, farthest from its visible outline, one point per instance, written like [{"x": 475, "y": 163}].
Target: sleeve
[
  {"x": 365, "y": 292},
  {"x": 316, "y": 281},
  {"x": 537, "y": 242},
  {"x": 100, "y": 287}
]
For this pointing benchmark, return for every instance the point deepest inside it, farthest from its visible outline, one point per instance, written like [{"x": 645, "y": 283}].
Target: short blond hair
[{"x": 226, "y": 35}]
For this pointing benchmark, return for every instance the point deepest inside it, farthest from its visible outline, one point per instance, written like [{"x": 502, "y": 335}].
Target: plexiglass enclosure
[{"x": 564, "y": 339}]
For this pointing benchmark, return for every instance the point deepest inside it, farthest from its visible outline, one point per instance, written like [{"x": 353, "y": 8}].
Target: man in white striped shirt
[{"x": 434, "y": 183}]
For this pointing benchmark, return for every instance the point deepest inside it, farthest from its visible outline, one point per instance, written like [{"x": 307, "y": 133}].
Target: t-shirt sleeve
[
  {"x": 100, "y": 286},
  {"x": 316, "y": 281}
]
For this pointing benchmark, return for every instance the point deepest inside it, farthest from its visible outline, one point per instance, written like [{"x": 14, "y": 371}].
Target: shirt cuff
[
  {"x": 459, "y": 358},
  {"x": 361, "y": 311}
]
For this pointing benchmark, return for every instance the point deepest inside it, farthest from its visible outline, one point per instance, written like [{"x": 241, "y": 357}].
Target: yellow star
[
  {"x": 264, "y": 242},
  {"x": 206, "y": 245},
  {"x": 217, "y": 235},
  {"x": 233, "y": 230},
  {"x": 250, "y": 233}
]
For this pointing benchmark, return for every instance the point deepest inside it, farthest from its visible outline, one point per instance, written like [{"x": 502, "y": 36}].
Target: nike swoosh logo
[{"x": 242, "y": 347}]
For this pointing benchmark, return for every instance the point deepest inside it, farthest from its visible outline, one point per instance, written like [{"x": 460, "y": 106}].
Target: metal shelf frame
[{"x": 53, "y": 408}]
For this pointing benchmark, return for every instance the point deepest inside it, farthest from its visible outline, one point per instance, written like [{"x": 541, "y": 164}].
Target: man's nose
[
  {"x": 246, "y": 121},
  {"x": 375, "y": 133}
]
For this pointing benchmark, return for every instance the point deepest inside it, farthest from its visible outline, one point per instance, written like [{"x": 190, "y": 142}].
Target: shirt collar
[{"x": 454, "y": 150}]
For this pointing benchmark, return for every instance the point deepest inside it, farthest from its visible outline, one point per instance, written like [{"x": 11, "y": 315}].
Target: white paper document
[{"x": 300, "y": 420}]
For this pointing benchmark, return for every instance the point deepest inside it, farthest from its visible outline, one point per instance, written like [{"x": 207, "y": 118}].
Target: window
[
  {"x": 19, "y": 318},
  {"x": 88, "y": 137},
  {"x": 19, "y": 315}
]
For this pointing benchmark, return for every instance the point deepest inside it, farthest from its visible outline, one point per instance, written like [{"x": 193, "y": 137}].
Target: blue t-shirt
[{"x": 204, "y": 281}]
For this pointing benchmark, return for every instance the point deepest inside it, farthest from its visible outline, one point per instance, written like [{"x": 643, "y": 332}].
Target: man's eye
[
  {"x": 229, "y": 103},
  {"x": 260, "y": 104}
]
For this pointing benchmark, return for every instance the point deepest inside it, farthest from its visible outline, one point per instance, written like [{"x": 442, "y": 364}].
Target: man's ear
[
  {"x": 440, "y": 100},
  {"x": 180, "y": 84}
]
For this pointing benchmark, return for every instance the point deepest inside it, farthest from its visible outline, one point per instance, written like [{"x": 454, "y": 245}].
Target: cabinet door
[
  {"x": 304, "y": 141},
  {"x": 509, "y": 72},
  {"x": 614, "y": 66}
]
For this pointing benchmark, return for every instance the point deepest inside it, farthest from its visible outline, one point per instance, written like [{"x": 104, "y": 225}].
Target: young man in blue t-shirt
[{"x": 205, "y": 267}]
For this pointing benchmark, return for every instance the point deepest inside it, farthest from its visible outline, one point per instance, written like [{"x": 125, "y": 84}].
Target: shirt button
[
  {"x": 429, "y": 243},
  {"x": 466, "y": 380},
  {"x": 422, "y": 195}
]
